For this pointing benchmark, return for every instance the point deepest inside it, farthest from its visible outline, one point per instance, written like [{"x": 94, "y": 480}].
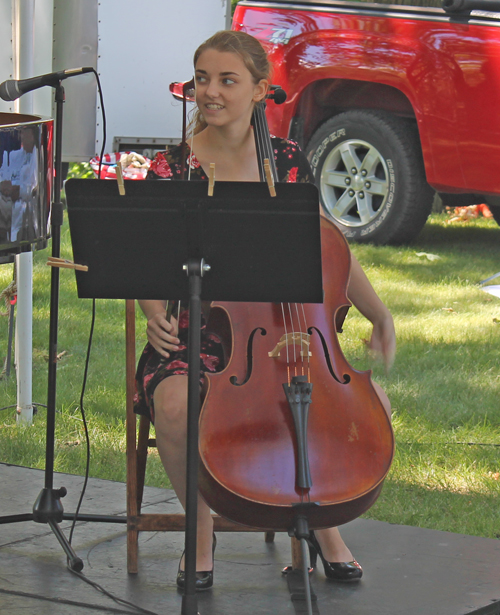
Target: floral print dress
[{"x": 292, "y": 167}]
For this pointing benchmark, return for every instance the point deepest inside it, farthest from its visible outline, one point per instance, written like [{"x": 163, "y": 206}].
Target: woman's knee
[{"x": 170, "y": 401}]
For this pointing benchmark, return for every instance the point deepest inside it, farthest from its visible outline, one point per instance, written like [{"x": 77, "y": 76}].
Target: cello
[{"x": 289, "y": 428}]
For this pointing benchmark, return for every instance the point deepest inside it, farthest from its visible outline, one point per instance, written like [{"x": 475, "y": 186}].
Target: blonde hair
[{"x": 250, "y": 51}]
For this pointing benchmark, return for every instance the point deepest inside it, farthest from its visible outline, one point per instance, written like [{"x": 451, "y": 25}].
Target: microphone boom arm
[{"x": 12, "y": 89}]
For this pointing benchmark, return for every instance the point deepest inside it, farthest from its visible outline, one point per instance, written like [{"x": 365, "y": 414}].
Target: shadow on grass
[
  {"x": 466, "y": 253},
  {"x": 458, "y": 236}
]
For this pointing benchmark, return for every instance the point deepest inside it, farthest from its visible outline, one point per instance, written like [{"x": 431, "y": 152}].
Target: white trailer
[{"x": 138, "y": 49}]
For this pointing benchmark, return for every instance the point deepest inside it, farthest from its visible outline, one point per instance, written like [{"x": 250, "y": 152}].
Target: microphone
[{"x": 12, "y": 89}]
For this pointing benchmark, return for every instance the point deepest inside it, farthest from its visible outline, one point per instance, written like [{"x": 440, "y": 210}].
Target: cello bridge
[{"x": 290, "y": 339}]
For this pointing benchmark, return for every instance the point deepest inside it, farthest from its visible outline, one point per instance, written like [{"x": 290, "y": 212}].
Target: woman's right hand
[{"x": 162, "y": 335}]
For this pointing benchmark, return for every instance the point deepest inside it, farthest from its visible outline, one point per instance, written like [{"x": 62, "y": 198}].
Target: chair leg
[
  {"x": 142, "y": 456},
  {"x": 132, "y": 551}
]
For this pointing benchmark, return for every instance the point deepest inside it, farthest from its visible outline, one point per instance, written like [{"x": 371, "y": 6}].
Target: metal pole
[
  {"x": 24, "y": 333},
  {"x": 57, "y": 220},
  {"x": 194, "y": 270},
  {"x": 24, "y": 24}
]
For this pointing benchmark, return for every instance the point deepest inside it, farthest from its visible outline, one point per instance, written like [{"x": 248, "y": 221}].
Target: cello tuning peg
[{"x": 278, "y": 94}]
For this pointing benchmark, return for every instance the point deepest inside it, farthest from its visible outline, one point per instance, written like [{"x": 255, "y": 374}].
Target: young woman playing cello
[{"x": 232, "y": 74}]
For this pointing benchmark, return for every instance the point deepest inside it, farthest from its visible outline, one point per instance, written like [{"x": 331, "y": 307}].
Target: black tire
[{"x": 370, "y": 175}]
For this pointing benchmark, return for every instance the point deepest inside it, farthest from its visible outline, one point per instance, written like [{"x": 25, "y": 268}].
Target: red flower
[
  {"x": 292, "y": 176},
  {"x": 161, "y": 167},
  {"x": 178, "y": 365},
  {"x": 184, "y": 319},
  {"x": 147, "y": 379},
  {"x": 210, "y": 362},
  {"x": 213, "y": 338},
  {"x": 192, "y": 162}
]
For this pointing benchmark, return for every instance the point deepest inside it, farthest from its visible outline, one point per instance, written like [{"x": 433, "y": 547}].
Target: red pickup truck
[{"x": 391, "y": 103}]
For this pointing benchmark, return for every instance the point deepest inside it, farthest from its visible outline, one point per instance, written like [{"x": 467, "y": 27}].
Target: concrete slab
[{"x": 407, "y": 570}]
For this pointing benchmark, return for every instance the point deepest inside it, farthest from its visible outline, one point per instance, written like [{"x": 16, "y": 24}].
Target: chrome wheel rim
[{"x": 356, "y": 183}]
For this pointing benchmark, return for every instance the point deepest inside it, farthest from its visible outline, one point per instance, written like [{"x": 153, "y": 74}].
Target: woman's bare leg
[{"x": 170, "y": 400}]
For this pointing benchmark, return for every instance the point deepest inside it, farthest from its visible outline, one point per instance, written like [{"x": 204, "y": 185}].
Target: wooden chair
[{"x": 137, "y": 445}]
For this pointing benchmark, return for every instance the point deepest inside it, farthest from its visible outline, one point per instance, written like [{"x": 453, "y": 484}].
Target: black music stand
[{"x": 253, "y": 247}]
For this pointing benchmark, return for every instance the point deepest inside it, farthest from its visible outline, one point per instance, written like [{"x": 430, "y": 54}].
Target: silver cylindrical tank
[{"x": 26, "y": 178}]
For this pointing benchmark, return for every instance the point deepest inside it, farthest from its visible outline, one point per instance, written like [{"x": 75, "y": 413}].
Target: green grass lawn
[{"x": 444, "y": 386}]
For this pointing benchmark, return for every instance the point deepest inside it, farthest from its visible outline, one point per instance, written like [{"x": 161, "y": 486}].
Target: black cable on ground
[
  {"x": 85, "y": 605},
  {"x": 84, "y": 419},
  {"x": 101, "y": 589}
]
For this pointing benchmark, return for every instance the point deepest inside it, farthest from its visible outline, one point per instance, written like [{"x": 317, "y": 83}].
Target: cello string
[
  {"x": 268, "y": 144},
  {"x": 308, "y": 355},
  {"x": 301, "y": 334},
  {"x": 265, "y": 150},
  {"x": 265, "y": 147},
  {"x": 190, "y": 159},
  {"x": 292, "y": 325},
  {"x": 286, "y": 342},
  {"x": 259, "y": 140}
]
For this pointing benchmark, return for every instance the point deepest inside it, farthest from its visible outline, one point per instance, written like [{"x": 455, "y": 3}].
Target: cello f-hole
[
  {"x": 346, "y": 377},
  {"x": 234, "y": 379}
]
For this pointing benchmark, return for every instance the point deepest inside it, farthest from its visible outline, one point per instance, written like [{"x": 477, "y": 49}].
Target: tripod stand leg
[
  {"x": 48, "y": 509},
  {"x": 75, "y": 563}
]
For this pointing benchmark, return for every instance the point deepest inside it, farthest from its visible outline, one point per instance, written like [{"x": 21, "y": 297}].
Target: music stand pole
[
  {"x": 48, "y": 507},
  {"x": 195, "y": 269}
]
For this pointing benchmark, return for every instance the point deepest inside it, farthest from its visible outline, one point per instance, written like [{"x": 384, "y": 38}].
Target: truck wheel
[{"x": 370, "y": 174}]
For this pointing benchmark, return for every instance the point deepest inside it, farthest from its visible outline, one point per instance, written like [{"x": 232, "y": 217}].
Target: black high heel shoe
[
  {"x": 204, "y": 579},
  {"x": 345, "y": 572}
]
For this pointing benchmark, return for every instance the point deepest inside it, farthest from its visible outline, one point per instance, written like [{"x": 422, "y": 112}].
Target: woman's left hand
[
  {"x": 382, "y": 343},
  {"x": 361, "y": 293}
]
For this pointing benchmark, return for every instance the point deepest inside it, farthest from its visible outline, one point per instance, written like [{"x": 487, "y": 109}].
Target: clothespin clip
[
  {"x": 65, "y": 264},
  {"x": 269, "y": 177},
  {"x": 211, "y": 179},
  {"x": 119, "y": 179}
]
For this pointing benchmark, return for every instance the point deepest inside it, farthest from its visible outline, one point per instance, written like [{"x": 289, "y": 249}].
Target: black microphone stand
[{"x": 48, "y": 508}]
